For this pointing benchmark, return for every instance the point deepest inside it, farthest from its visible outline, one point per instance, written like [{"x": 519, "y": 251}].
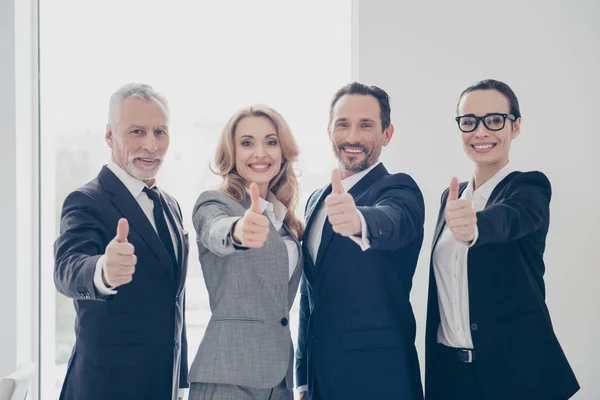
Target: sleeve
[
  {"x": 82, "y": 241},
  {"x": 213, "y": 222},
  {"x": 301, "y": 366},
  {"x": 397, "y": 216},
  {"x": 183, "y": 369},
  {"x": 524, "y": 210}
]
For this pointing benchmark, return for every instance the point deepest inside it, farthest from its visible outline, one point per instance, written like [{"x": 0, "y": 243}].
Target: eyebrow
[
  {"x": 130, "y": 127},
  {"x": 484, "y": 115},
  {"x": 361, "y": 120},
  {"x": 252, "y": 137}
]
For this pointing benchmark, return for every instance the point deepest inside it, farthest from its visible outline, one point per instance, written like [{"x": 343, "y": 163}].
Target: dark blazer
[
  {"x": 357, "y": 329},
  {"x": 131, "y": 345},
  {"x": 517, "y": 354}
]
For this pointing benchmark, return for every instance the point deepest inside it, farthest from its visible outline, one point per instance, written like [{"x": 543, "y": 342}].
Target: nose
[
  {"x": 353, "y": 135},
  {"x": 481, "y": 131},
  {"x": 150, "y": 144},
  {"x": 259, "y": 151}
]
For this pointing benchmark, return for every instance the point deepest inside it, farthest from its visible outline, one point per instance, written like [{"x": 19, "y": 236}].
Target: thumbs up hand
[
  {"x": 253, "y": 228},
  {"x": 460, "y": 215},
  {"x": 341, "y": 209},
  {"x": 119, "y": 264}
]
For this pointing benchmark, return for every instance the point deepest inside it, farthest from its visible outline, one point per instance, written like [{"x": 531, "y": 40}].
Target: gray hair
[{"x": 139, "y": 90}]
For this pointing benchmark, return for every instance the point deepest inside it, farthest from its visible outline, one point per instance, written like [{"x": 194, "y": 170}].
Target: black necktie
[{"x": 161, "y": 223}]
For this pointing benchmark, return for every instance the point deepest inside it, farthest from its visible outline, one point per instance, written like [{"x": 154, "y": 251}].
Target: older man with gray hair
[{"x": 122, "y": 257}]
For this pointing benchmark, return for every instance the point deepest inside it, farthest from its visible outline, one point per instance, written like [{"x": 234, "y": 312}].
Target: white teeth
[
  {"x": 353, "y": 150},
  {"x": 483, "y": 146},
  {"x": 259, "y": 166}
]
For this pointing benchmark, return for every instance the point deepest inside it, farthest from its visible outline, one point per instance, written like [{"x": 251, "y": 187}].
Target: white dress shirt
[
  {"x": 313, "y": 237},
  {"x": 450, "y": 267}
]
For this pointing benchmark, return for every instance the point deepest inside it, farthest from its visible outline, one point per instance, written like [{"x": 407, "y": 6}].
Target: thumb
[
  {"x": 122, "y": 230},
  {"x": 453, "y": 193},
  {"x": 255, "y": 197},
  {"x": 336, "y": 182}
]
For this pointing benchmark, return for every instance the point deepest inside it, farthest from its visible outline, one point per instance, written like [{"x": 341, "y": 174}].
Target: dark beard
[
  {"x": 355, "y": 168},
  {"x": 351, "y": 166}
]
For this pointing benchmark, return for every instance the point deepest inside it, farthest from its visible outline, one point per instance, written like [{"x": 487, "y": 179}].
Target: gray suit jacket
[{"x": 247, "y": 341}]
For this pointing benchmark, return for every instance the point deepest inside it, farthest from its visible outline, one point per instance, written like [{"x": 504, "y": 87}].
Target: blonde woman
[{"x": 248, "y": 245}]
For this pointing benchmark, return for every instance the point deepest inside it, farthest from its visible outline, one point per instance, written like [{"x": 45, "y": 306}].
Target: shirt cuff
[
  {"x": 98, "y": 282},
  {"x": 302, "y": 388},
  {"x": 363, "y": 241},
  {"x": 182, "y": 393}
]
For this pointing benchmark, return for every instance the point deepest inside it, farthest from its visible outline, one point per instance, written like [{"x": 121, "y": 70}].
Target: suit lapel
[
  {"x": 130, "y": 209},
  {"x": 298, "y": 246},
  {"x": 175, "y": 220},
  {"x": 319, "y": 197},
  {"x": 316, "y": 200}
]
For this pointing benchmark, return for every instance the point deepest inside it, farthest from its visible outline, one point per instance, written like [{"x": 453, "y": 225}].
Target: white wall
[
  {"x": 18, "y": 163},
  {"x": 424, "y": 54}
]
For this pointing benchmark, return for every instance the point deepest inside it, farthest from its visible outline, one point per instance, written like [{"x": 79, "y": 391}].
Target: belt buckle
[{"x": 469, "y": 354}]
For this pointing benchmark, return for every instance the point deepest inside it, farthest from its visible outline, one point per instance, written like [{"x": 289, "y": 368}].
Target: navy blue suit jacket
[
  {"x": 131, "y": 345},
  {"x": 517, "y": 354},
  {"x": 357, "y": 328}
]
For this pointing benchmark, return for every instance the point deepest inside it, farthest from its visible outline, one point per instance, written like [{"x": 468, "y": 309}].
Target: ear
[
  {"x": 388, "y": 133},
  {"x": 516, "y": 129},
  {"x": 108, "y": 136}
]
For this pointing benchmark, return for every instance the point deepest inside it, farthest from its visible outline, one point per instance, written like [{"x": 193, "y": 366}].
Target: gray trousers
[{"x": 216, "y": 391}]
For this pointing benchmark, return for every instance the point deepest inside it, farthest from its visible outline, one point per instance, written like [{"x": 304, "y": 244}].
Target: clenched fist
[
  {"x": 120, "y": 259},
  {"x": 460, "y": 215},
  {"x": 253, "y": 228},
  {"x": 341, "y": 209}
]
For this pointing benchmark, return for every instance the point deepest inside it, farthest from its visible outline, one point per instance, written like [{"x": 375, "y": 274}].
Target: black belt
[{"x": 462, "y": 355}]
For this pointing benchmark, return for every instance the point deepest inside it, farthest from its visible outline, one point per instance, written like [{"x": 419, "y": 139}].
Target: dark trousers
[{"x": 454, "y": 379}]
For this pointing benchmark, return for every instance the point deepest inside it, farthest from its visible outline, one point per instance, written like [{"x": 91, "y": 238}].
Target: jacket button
[
  {"x": 284, "y": 321},
  {"x": 176, "y": 345},
  {"x": 474, "y": 327}
]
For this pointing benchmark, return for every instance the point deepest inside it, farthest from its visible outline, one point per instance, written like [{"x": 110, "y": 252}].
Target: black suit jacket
[
  {"x": 517, "y": 354},
  {"x": 357, "y": 328},
  {"x": 131, "y": 345}
]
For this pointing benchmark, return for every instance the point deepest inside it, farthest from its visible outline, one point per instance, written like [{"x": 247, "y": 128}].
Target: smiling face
[
  {"x": 258, "y": 155},
  {"x": 139, "y": 138},
  {"x": 356, "y": 133},
  {"x": 487, "y": 148}
]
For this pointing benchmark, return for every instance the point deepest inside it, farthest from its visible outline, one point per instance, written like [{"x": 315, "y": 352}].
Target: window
[{"x": 209, "y": 59}]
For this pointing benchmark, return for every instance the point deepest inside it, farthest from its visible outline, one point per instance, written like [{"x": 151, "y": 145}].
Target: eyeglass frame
[{"x": 511, "y": 117}]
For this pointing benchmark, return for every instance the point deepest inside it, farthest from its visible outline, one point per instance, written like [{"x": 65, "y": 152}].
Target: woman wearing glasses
[{"x": 489, "y": 334}]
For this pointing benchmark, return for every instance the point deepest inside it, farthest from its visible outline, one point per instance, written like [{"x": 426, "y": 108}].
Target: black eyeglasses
[{"x": 493, "y": 121}]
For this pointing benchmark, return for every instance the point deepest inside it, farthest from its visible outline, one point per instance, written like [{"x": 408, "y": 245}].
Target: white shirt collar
[
  {"x": 352, "y": 180},
  {"x": 485, "y": 191},
  {"x": 134, "y": 185}
]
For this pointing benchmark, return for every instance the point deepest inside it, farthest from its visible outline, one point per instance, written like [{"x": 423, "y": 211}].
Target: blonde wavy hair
[{"x": 284, "y": 185}]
